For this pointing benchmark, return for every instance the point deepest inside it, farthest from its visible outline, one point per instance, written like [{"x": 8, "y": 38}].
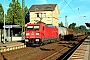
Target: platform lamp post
[{"x": 4, "y": 23}]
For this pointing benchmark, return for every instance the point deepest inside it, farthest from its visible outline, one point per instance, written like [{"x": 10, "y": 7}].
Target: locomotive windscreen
[
  {"x": 36, "y": 27},
  {"x": 33, "y": 28}
]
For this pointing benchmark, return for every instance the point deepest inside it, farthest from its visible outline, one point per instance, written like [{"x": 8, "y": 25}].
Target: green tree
[
  {"x": 61, "y": 24},
  {"x": 82, "y": 28},
  {"x": 26, "y": 15},
  {"x": 1, "y": 14},
  {"x": 14, "y": 13},
  {"x": 77, "y": 28},
  {"x": 72, "y": 26},
  {"x": 26, "y": 10}
]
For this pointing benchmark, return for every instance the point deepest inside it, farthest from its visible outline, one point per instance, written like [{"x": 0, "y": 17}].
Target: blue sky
[{"x": 74, "y": 9}]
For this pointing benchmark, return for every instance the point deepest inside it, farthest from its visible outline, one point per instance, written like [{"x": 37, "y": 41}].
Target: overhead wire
[
  {"x": 75, "y": 5},
  {"x": 71, "y": 8},
  {"x": 78, "y": 8}
]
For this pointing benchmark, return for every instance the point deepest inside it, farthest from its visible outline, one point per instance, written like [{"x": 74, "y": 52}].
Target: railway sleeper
[{"x": 47, "y": 49}]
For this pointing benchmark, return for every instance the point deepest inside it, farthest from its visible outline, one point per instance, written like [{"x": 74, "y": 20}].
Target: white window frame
[
  {"x": 44, "y": 14},
  {"x": 37, "y": 14}
]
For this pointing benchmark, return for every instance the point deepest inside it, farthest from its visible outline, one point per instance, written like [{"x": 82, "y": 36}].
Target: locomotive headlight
[
  {"x": 37, "y": 33},
  {"x": 37, "y": 39},
  {"x": 27, "y": 33},
  {"x": 26, "y": 40},
  {"x": 27, "y": 37}
]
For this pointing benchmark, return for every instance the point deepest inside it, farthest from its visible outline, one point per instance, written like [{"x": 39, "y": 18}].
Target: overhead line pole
[
  {"x": 23, "y": 20},
  {"x": 4, "y": 23},
  {"x": 66, "y": 24}
]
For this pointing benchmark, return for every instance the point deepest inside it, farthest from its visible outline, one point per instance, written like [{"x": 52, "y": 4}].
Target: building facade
[{"x": 47, "y": 13}]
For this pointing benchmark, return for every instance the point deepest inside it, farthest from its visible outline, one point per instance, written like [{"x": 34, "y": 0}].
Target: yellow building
[{"x": 47, "y": 13}]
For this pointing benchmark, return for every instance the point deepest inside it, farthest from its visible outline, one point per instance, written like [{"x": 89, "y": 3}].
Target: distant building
[
  {"x": 47, "y": 13},
  {"x": 87, "y": 24}
]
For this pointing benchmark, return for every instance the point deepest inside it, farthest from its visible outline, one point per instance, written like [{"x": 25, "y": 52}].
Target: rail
[
  {"x": 55, "y": 53},
  {"x": 68, "y": 53}
]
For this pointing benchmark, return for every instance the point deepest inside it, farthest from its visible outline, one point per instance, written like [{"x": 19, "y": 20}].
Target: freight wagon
[
  {"x": 61, "y": 32},
  {"x": 40, "y": 33},
  {"x": 66, "y": 33}
]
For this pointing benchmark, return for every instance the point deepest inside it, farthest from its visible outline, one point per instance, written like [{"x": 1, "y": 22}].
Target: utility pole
[
  {"x": 66, "y": 23},
  {"x": 23, "y": 20},
  {"x": 4, "y": 23}
]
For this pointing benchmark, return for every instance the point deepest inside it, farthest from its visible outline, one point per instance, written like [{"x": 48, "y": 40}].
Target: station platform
[
  {"x": 82, "y": 52},
  {"x": 11, "y": 46}
]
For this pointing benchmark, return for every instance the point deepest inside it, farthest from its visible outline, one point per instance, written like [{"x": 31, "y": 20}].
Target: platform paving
[
  {"x": 11, "y": 46},
  {"x": 82, "y": 52}
]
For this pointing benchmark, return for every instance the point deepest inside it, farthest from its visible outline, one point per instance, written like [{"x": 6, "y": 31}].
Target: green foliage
[
  {"x": 26, "y": 15},
  {"x": 61, "y": 24},
  {"x": 82, "y": 28},
  {"x": 26, "y": 10},
  {"x": 72, "y": 26},
  {"x": 14, "y": 13},
  {"x": 1, "y": 14},
  {"x": 79, "y": 28}
]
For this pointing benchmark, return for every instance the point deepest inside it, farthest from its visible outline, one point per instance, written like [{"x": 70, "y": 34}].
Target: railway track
[
  {"x": 68, "y": 53},
  {"x": 45, "y": 52},
  {"x": 82, "y": 52},
  {"x": 57, "y": 54}
]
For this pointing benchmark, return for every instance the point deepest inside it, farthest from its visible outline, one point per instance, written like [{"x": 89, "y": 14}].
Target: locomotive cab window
[
  {"x": 30, "y": 28},
  {"x": 36, "y": 27}
]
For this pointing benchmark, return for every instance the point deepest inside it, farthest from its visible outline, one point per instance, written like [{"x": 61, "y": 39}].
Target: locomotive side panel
[{"x": 50, "y": 33}]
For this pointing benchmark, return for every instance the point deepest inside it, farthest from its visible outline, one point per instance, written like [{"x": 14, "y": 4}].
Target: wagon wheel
[
  {"x": 59, "y": 38},
  {"x": 41, "y": 44}
]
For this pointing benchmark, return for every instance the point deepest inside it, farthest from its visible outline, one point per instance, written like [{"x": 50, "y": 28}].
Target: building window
[
  {"x": 37, "y": 14},
  {"x": 48, "y": 20},
  {"x": 44, "y": 14}
]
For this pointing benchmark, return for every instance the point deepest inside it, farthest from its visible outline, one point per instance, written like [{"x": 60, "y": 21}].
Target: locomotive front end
[{"x": 32, "y": 34}]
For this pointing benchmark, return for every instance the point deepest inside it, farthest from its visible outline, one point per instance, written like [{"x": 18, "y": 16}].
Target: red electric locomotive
[{"x": 39, "y": 33}]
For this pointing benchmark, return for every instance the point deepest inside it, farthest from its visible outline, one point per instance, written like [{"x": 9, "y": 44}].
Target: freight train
[{"x": 40, "y": 33}]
